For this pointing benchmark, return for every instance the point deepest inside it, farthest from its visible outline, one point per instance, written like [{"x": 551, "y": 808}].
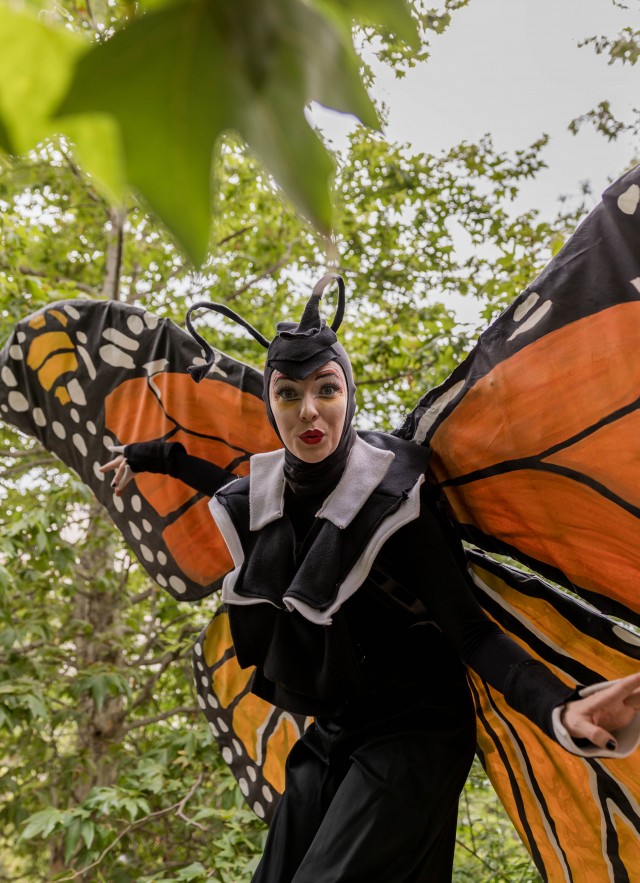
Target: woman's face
[{"x": 310, "y": 413}]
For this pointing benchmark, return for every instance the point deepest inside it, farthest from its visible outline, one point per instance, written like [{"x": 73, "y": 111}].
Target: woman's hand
[
  {"x": 123, "y": 472},
  {"x": 598, "y": 716}
]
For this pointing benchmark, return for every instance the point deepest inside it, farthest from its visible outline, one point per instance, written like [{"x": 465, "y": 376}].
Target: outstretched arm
[
  {"x": 167, "y": 458},
  {"x": 598, "y": 719}
]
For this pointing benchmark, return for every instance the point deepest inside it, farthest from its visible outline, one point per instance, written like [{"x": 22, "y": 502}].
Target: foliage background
[{"x": 107, "y": 771}]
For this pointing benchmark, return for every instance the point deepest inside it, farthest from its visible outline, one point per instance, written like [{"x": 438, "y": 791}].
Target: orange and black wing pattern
[
  {"x": 578, "y": 817},
  {"x": 535, "y": 437},
  {"x": 254, "y": 736},
  {"x": 536, "y": 451},
  {"x": 83, "y": 375}
]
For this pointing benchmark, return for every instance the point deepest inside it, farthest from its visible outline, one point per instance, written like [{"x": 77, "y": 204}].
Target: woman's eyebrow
[{"x": 327, "y": 372}]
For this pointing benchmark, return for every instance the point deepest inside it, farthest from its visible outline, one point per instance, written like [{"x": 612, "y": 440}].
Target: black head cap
[{"x": 297, "y": 349}]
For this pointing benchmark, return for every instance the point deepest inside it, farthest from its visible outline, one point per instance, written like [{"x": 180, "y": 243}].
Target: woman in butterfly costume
[{"x": 332, "y": 604}]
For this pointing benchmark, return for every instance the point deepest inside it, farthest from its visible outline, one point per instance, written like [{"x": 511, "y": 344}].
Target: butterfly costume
[{"x": 349, "y": 600}]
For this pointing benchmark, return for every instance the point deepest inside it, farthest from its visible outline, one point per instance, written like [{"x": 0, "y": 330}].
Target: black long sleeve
[
  {"x": 171, "y": 458},
  {"x": 432, "y": 562}
]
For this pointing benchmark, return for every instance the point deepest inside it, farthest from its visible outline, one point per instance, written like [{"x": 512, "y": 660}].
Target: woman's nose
[{"x": 308, "y": 409}]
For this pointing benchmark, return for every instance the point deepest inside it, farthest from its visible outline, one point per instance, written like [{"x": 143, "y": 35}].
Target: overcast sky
[{"x": 513, "y": 68}]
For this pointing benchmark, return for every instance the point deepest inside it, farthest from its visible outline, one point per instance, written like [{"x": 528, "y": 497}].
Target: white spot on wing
[
  {"x": 251, "y": 773},
  {"x": 162, "y": 558},
  {"x": 177, "y": 584},
  {"x": 8, "y": 376},
  {"x": 76, "y": 392},
  {"x": 117, "y": 502},
  {"x": 96, "y": 471},
  {"x": 146, "y": 552},
  {"x": 71, "y": 311},
  {"x": 533, "y": 319},
  {"x": 91, "y": 427},
  {"x": 161, "y": 581},
  {"x": 156, "y": 367},
  {"x": 21, "y": 336},
  {"x": 135, "y": 324},
  {"x": 258, "y": 810},
  {"x": 528, "y": 304},
  {"x": 136, "y": 503},
  {"x": 82, "y": 337},
  {"x": 150, "y": 320},
  {"x": 80, "y": 443},
  {"x": 636, "y": 283},
  {"x": 433, "y": 412},
  {"x": 227, "y": 754},
  {"x": 626, "y": 635},
  {"x": 15, "y": 352},
  {"x": 38, "y": 417},
  {"x": 88, "y": 362},
  {"x": 628, "y": 201},
  {"x": 135, "y": 530},
  {"x": 266, "y": 793},
  {"x": 211, "y": 699},
  {"x": 244, "y": 785},
  {"x": 120, "y": 339},
  {"x": 17, "y": 401},
  {"x": 74, "y": 415},
  {"x": 116, "y": 357},
  {"x": 59, "y": 429}
]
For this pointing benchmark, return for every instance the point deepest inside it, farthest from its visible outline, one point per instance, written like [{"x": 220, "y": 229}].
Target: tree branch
[
  {"x": 115, "y": 248},
  {"x": 24, "y": 467},
  {"x": 40, "y": 274},
  {"x": 19, "y": 454},
  {"x": 181, "y": 709},
  {"x": 379, "y": 380},
  {"x": 76, "y": 171},
  {"x": 482, "y": 861},
  {"x": 233, "y": 236},
  {"x": 268, "y": 272},
  {"x": 179, "y": 809}
]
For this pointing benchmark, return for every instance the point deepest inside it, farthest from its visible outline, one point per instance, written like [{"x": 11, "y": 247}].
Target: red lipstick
[{"x": 312, "y": 436}]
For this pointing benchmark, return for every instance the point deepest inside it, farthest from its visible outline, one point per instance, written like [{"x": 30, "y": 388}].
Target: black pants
[{"x": 373, "y": 801}]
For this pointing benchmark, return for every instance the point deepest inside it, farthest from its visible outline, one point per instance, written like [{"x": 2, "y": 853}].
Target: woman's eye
[
  {"x": 329, "y": 389},
  {"x": 285, "y": 392}
]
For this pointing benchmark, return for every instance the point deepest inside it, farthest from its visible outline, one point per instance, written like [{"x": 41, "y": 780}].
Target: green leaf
[
  {"x": 391, "y": 15},
  {"x": 71, "y": 837},
  {"x": 191, "y": 872},
  {"x": 36, "y": 67},
  {"x": 87, "y": 832},
  {"x": 180, "y": 77},
  {"x": 41, "y": 823},
  {"x": 37, "y": 63},
  {"x": 5, "y": 140}
]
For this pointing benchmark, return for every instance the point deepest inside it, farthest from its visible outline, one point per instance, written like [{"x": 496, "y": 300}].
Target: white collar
[{"x": 365, "y": 469}]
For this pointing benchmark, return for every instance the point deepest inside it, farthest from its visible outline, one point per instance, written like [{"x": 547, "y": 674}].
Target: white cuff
[{"x": 627, "y": 737}]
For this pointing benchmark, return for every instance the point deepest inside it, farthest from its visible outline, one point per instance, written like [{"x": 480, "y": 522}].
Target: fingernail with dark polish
[{"x": 611, "y": 745}]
